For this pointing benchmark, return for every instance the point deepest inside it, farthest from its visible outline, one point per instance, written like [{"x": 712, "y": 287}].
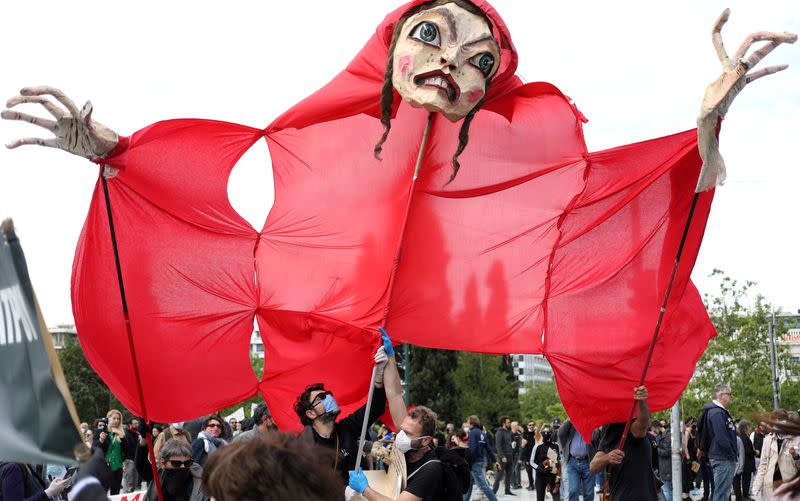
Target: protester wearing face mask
[
  {"x": 209, "y": 439},
  {"x": 318, "y": 410},
  {"x": 181, "y": 477},
  {"x": 528, "y": 442},
  {"x": 544, "y": 463},
  {"x": 175, "y": 430},
  {"x": 424, "y": 470}
]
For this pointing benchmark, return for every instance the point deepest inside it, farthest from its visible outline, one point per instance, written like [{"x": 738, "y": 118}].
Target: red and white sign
[{"x": 131, "y": 496}]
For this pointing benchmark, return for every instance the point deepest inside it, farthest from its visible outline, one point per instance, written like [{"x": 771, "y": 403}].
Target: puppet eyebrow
[
  {"x": 484, "y": 38},
  {"x": 451, "y": 21}
]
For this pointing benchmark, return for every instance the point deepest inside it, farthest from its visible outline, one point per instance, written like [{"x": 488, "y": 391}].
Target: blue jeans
[
  {"x": 479, "y": 478},
  {"x": 666, "y": 490},
  {"x": 578, "y": 472},
  {"x": 723, "y": 478}
]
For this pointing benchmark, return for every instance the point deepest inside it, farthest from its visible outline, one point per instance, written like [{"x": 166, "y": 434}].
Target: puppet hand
[
  {"x": 358, "y": 481},
  {"x": 387, "y": 343},
  {"x": 74, "y": 130},
  {"x": 720, "y": 94}
]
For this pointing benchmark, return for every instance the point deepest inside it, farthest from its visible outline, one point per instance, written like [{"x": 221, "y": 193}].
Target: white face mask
[
  {"x": 403, "y": 442},
  {"x": 466, "y": 429},
  {"x": 178, "y": 426}
]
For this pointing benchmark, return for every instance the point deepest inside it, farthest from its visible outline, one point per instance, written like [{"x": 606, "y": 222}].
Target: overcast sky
[{"x": 635, "y": 69}]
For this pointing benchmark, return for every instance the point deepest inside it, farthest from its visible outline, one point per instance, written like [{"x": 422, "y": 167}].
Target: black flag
[{"x": 35, "y": 422}]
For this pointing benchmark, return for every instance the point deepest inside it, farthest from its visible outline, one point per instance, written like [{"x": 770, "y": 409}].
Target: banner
[
  {"x": 35, "y": 421},
  {"x": 131, "y": 496}
]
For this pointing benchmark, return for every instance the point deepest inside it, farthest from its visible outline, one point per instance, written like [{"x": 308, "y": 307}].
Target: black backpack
[
  {"x": 457, "y": 473},
  {"x": 703, "y": 436}
]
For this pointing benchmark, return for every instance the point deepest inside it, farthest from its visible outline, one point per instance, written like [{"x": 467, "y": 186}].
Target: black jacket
[
  {"x": 540, "y": 455},
  {"x": 749, "y": 455},
  {"x": 348, "y": 431},
  {"x": 129, "y": 445},
  {"x": 527, "y": 451},
  {"x": 502, "y": 443}
]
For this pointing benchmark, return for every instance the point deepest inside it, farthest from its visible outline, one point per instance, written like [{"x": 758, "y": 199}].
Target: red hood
[{"x": 357, "y": 89}]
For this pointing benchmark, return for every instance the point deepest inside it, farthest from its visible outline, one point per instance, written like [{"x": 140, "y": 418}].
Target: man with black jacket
[
  {"x": 505, "y": 453},
  {"x": 528, "y": 441},
  {"x": 317, "y": 409},
  {"x": 577, "y": 454},
  {"x": 131, "y": 480}
]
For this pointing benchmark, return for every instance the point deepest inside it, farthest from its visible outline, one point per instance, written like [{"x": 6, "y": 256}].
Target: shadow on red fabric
[{"x": 538, "y": 246}]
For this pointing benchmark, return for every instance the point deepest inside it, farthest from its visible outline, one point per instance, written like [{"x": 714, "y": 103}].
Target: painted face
[{"x": 442, "y": 60}]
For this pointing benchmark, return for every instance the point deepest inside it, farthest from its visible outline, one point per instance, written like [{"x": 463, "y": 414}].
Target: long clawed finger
[
  {"x": 52, "y": 91},
  {"x": 761, "y": 53},
  {"x": 716, "y": 38},
  {"x": 764, "y": 72},
  {"x": 50, "y": 143},
  {"x": 54, "y": 110},
  {"x": 41, "y": 122}
]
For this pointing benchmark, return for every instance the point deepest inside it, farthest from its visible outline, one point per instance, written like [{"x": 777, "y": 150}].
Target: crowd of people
[{"x": 210, "y": 458}]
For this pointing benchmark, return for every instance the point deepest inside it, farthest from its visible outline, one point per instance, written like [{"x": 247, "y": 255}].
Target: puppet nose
[{"x": 448, "y": 61}]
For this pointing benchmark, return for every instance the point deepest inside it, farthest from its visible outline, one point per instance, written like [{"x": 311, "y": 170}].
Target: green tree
[
  {"x": 540, "y": 401},
  {"x": 91, "y": 396},
  {"x": 484, "y": 389},
  {"x": 258, "y": 368},
  {"x": 739, "y": 355},
  {"x": 431, "y": 382}
]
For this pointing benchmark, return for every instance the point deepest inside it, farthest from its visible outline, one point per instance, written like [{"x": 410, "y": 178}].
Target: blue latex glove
[
  {"x": 358, "y": 481},
  {"x": 387, "y": 343}
]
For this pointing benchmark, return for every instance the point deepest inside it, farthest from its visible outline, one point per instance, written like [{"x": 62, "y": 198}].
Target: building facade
[{"x": 531, "y": 368}]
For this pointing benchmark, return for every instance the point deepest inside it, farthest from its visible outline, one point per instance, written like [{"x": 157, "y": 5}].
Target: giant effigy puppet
[{"x": 425, "y": 189}]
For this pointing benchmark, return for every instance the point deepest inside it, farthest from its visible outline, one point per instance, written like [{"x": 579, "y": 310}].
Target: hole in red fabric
[{"x": 251, "y": 190}]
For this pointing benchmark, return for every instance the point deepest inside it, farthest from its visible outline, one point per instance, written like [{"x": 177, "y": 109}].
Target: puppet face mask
[{"x": 442, "y": 60}]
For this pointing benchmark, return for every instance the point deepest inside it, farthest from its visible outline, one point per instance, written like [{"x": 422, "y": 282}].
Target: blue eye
[
  {"x": 427, "y": 32},
  {"x": 484, "y": 62}
]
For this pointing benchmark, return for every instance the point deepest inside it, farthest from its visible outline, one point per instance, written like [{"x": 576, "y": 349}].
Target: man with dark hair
[
  {"x": 425, "y": 472},
  {"x": 262, "y": 423},
  {"x": 276, "y": 467},
  {"x": 505, "y": 454},
  {"x": 179, "y": 474},
  {"x": 131, "y": 480},
  {"x": 631, "y": 471},
  {"x": 528, "y": 441},
  {"x": 479, "y": 448},
  {"x": 317, "y": 409}
]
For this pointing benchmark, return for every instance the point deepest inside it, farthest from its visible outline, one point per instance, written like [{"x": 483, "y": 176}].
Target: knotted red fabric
[{"x": 537, "y": 246}]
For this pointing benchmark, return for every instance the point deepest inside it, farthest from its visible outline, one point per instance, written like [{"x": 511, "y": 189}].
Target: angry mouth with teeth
[{"x": 442, "y": 81}]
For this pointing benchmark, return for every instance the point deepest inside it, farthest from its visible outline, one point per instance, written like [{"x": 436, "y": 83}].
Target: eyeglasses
[
  {"x": 214, "y": 425},
  {"x": 320, "y": 397},
  {"x": 180, "y": 464},
  {"x": 726, "y": 393}
]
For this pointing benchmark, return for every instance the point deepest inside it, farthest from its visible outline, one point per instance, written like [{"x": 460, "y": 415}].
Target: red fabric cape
[{"x": 538, "y": 246}]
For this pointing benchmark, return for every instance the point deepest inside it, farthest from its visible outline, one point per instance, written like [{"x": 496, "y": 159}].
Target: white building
[
  {"x": 531, "y": 368},
  {"x": 256, "y": 345},
  {"x": 61, "y": 334}
]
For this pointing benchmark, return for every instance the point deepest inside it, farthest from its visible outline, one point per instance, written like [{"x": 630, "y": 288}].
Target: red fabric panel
[
  {"x": 611, "y": 269},
  {"x": 536, "y": 247}
]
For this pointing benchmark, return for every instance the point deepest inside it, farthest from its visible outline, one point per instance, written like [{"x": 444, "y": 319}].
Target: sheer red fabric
[{"x": 538, "y": 246}]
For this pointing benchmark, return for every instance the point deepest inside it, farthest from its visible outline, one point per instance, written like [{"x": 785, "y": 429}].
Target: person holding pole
[
  {"x": 317, "y": 409},
  {"x": 630, "y": 470}
]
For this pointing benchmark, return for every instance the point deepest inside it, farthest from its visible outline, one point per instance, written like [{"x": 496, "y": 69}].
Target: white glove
[
  {"x": 57, "y": 486},
  {"x": 381, "y": 359},
  {"x": 350, "y": 494}
]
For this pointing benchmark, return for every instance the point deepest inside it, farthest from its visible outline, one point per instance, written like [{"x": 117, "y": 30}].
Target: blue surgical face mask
[{"x": 331, "y": 407}]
